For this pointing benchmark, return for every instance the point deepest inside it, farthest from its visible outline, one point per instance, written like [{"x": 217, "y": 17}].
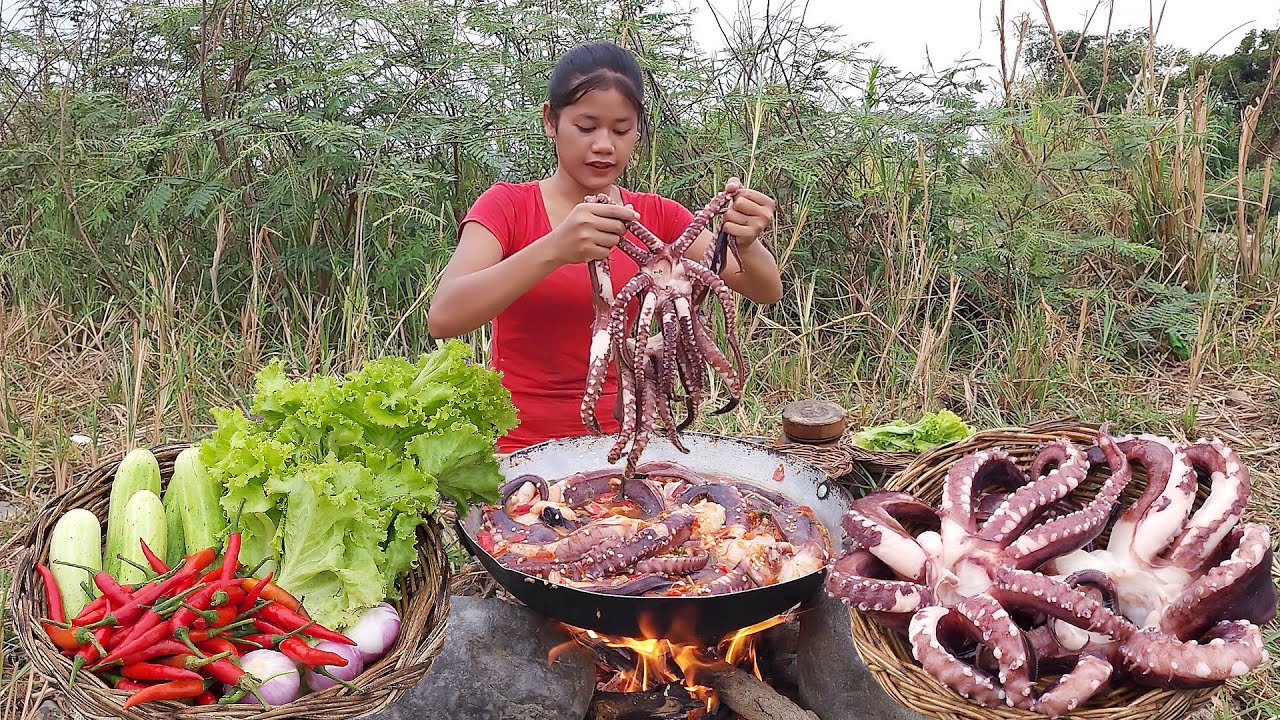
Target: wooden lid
[{"x": 813, "y": 421}]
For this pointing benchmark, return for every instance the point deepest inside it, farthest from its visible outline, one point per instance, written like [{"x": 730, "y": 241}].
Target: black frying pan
[{"x": 708, "y": 618}]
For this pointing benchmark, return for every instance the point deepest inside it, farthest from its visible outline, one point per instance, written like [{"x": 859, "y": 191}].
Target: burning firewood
[
  {"x": 749, "y": 696},
  {"x": 671, "y": 700}
]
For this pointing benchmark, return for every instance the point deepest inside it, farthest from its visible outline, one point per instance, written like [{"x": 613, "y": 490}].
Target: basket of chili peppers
[{"x": 210, "y": 637}]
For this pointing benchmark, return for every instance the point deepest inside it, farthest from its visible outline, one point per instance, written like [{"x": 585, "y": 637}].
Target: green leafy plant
[{"x": 336, "y": 474}]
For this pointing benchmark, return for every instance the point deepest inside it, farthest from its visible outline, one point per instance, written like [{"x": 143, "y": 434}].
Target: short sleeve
[{"x": 495, "y": 210}]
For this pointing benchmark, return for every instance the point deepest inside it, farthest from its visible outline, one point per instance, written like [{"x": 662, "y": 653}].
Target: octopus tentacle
[
  {"x": 1058, "y": 641},
  {"x": 726, "y": 496},
  {"x": 859, "y": 579},
  {"x": 1091, "y": 673},
  {"x": 706, "y": 347},
  {"x": 635, "y": 415},
  {"x": 1229, "y": 649},
  {"x": 1074, "y": 531},
  {"x": 1025, "y": 589},
  {"x": 667, "y": 373},
  {"x": 645, "y": 496},
  {"x": 1239, "y": 588},
  {"x": 1023, "y": 505},
  {"x": 617, "y": 554},
  {"x": 601, "y": 345},
  {"x": 631, "y": 586},
  {"x": 974, "y": 619},
  {"x": 736, "y": 580},
  {"x": 714, "y": 207},
  {"x": 668, "y": 469},
  {"x": 967, "y": 477},
  {"x": 646, "y": 419},
  {"x": 577, "y": 543},
  {"x": 1150, "y": 524},
  {"x": 1223, "y": 508},
  {"x": 581, "y": 488},
  {"x": 873, "y": 528},
  {"x": 508, "y": 488},
  {"x": 674, "y": 564}
]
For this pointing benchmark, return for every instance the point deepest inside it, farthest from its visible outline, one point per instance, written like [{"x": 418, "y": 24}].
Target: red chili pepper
[
  {"x": 139, "y": 641},
  {"x": 275, "y": 593},
  {"x": 521, "y": 509},
  {"x": 153, "y": 671},
  {"x": 200, "y": 559},
  {"x": 152, "y": 559},
  {"x": 253, "y": 592},
  {"x": 224, "y": 614},
  {"x": 262, "y": 640},
  {"x": 232, "y": 596},
  {"x": 225, "y": 671},
  {"x": 53, "y": 595},
  {"x": 199, "y": 601},
  {"x": 134, "y": 685},
  {"x": 105, "y": 583},
  {"x": 205, "y": 698},
  {"x": 216, "y": 645},
  {"x": 88, "y": 653},
  {"x": 187, "y": 661},
  {"x": 151, "y": 618},
  {"x": 292, "y": 621},
  {"x": 486, "y": 540},
  {"x": 160, "y": 649},
  {"x": 171, "y": 690},
  {"x": 295, "y": 649},
  {"x": 65, "y": 638},
  {"x": 231, "y": 559}
]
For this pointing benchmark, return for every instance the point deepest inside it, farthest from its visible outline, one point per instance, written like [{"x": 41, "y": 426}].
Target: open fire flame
[{"x": 659, "y": 661}]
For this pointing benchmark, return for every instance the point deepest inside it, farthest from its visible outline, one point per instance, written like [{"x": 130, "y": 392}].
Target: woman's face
[{"x": 595, "y": 137}]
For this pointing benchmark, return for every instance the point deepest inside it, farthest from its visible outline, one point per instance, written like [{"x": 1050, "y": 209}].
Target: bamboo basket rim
[
  {"x": 888, "y": 657},
  {"x": 424, "y": 608}
]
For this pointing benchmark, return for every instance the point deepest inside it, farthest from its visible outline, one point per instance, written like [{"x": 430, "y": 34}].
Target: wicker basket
[
  {"x": 878, "y": 462},
  {"x": 424, "y": 608},
  {"x": 833, "y": 458},
  {"x": 888, "y": 656}
]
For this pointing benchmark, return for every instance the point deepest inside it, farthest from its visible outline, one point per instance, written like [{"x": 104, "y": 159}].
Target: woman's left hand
[{"x": 749, "y": 216}]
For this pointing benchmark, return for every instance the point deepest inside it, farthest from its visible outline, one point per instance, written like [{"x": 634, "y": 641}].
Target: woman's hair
[{"x": 596, "y": 66}]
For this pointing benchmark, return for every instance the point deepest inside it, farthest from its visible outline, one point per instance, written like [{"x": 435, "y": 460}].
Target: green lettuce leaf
[
  {"x": 931, "y": 430},
  {"x": 335, "y": 474}
]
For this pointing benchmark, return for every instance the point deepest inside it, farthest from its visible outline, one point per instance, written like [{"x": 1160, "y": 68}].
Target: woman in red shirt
[{"x": 523, "y": 247}]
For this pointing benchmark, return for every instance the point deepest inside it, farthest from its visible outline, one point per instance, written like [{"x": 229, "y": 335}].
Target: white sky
[{"x": 905, "y": 33}]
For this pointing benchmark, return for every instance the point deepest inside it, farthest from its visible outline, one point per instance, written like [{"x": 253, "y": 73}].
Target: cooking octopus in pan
[{"x": 675, "y": 533}]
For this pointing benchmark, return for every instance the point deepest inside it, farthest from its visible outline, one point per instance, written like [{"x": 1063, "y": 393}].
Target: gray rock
[
  {"x": 833, "y": 680},
  {"x": 494, "y": 667}
]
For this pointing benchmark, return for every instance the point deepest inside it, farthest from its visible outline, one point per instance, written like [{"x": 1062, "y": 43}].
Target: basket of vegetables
[
  {"x": 890, "y": 447},
  {"x": 289, "y": 564}
]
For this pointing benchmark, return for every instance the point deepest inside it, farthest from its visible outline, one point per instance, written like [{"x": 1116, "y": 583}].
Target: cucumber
[
  {"x": 173, "y": 526},
  {"x": 143, "y": 519},
  {"x": 139, "y": 470},
  {"x": 203, "y": 519},
  {"x": 76, "y": 538}
]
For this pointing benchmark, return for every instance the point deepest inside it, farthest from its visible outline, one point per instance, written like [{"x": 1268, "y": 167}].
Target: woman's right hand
[{"x": 589, "y": 232}]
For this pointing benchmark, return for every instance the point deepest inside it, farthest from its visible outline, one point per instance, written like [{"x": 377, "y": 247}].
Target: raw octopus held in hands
[
  {"x": 1006, "y": 583},
  {"x": 676, "y": 533},
  {"x": 671, "y": 287}
]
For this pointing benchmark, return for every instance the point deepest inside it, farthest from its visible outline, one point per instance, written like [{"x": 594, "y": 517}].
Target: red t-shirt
[{"x": 541, "y": 342}]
